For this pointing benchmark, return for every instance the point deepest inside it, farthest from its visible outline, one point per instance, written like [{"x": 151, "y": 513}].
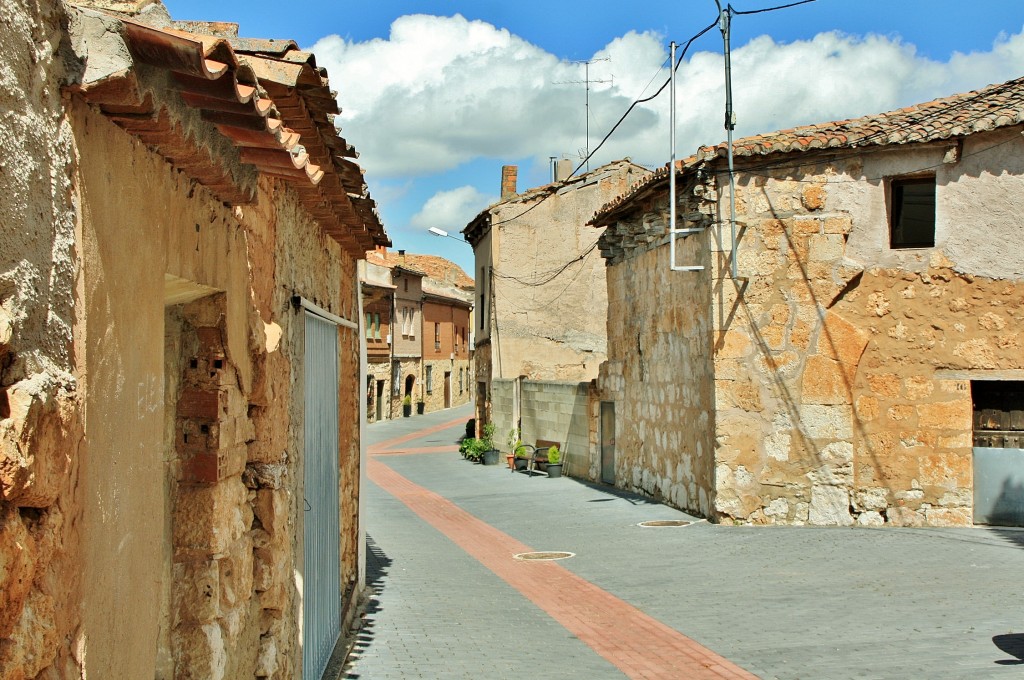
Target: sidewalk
[{"x": 658, "y": 602}]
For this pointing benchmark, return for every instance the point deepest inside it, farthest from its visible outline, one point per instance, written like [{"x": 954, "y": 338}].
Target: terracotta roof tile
[
  {"x": 265, "y": 96},
  {"x": 432, "y": 266}
]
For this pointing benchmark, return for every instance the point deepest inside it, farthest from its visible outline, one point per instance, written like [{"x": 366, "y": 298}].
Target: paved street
[{"x": 698, "y": 601}]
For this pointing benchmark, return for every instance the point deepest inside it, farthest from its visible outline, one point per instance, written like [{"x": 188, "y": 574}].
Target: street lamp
[{"x": 441, "y": 232}]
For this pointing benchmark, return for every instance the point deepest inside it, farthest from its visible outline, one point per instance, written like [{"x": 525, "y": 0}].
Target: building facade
[
  {"x": 862, "y": 362},
  {"x": 541, "y": 299},
  {"x": 378, "y": 308},
  {"x": 446, "y": 356},
  {"x": 179, "y": 304}
]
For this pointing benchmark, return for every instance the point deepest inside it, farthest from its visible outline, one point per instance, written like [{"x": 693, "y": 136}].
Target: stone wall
[
  {"x": 434, "y": 401},
  {"x": 379, "y": 370},
  {"x": 41, "y": 430},
  {"x": 843, "y": 366},
  {"x": 659, "y": 374},
  {"x": 830, "y": 382}
]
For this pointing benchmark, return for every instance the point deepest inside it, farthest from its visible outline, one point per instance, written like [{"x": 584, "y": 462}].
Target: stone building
[
  {"x": 378, "y": 309},
  {"x": 873, "y": 329},
  {"x": 428, "y": 344},
  {"x": 179, "y": 421},
  {"x": 407, "y": 346},
  {"x": 541, "y": 297},
  {"x": 446, "y": 357}
]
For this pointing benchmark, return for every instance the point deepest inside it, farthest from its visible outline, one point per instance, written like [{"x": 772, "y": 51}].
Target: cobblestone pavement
[{"x": 449, "y": 601}]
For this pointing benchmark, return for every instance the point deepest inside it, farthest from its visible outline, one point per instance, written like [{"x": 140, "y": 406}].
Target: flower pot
[
  {"x": 522, "y": 463},
  {"x": 406, "y": 410},
  {"x": 554, "y": 469},
  {"x": 420, "y": 406},
  {"x": 511, "y": 461},
  {"x": 491, "y": 457}
]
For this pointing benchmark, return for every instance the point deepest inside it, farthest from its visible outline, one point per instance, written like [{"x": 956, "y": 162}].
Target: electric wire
[{"x": 622, "y": 118}]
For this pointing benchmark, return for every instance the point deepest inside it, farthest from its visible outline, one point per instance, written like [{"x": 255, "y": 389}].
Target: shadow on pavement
[
  {"x": 377, "y": 566},
  {"x": 1012, "y": 644}
]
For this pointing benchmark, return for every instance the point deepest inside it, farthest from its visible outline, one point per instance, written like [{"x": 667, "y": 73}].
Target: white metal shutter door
[{"x": 321, "y": 614}]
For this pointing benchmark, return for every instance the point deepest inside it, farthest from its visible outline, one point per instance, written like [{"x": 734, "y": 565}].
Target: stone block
[
  {"x": 196, "y": 591},
  {"x": 826, "y": 381},
  {"x": 813, "y": 197},
  {"x": 949, "y": 517},
  {"x": 905, "y": 517},
  {"x": 946, "y": 415},
  {"x": 236, "y": 574},
  {"x": 830, "y": 506},
  {"x": 870, "y": 519},
  {"x": 976, "y": 353},
  {"x": 199, "y": 651},
  {"x": 867, "y": 408},
  {"x": 918, "y": 387},
  {"x": 842, "y": 340},
  {"x": 208, "y": 519},
  {"x": 16, "y": 568},
  {"x": 827, "y": 247},
  {"x": 826, "y": 422},
  {"x": 838, "y": 225},
  {"x": 885, "y": 384}
]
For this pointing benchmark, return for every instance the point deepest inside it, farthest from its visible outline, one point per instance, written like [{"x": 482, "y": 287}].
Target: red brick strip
[{"x": 640, "y": 646}]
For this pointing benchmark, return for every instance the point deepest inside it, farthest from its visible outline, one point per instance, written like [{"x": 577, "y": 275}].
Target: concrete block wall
[{"x": 559, "y": 411}]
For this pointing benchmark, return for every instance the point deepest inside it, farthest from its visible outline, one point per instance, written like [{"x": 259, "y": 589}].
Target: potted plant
[
  {"x": 522, "y": 457},
  {"x": 513, "y": 444},
  {"x": 489, "y": 454},
  {"x": 420, "y": 407},
  {"x": 554, "y": 462},
  {"x": 407, "y": 406},
  {"x": 471, "y": 449}
]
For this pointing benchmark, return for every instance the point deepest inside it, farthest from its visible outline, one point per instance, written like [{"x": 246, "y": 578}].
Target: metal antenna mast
[{"x": 586, "y": 82}]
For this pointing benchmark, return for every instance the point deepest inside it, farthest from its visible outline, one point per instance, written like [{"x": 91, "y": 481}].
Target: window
[
  {"x": 376, "y": 326},
  {"x": 369, "y": 325},
  {"x": 461, "y": 379},
  {"x": 437, "y": 335},
  {"x": 912, "y": 213},
  {"x": 430, "y": 379}
]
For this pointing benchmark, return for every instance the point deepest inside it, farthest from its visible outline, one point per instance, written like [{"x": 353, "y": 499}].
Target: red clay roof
[
  {"x": 963, "y": 114},
  {"x": 432, "y": 266},
  {"x": 266, "y": 98}
]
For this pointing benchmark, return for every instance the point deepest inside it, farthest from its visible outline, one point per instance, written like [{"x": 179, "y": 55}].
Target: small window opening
[{"x": 912, "y": 214}]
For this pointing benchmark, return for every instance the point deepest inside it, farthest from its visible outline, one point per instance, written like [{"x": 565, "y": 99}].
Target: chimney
[
  {"x": 508, "y": 181},
  {"x": 401, "y": 256},
  {"x": 563, "y": 169}
]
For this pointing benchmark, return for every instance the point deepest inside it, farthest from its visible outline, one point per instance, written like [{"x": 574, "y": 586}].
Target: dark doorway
[
  {"x": 380, "y": 400},
  {"x": 447, "y": 389},
  {"x": 608, "y": 442}
]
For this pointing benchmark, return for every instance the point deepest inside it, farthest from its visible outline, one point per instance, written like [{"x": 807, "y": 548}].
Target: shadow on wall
[{"x": 1009, "y": 507}]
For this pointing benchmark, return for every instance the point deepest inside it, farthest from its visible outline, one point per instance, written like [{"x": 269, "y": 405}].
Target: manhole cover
[
  {"x": 664, "y": 523},
  {"x": 544, "y": 555}
]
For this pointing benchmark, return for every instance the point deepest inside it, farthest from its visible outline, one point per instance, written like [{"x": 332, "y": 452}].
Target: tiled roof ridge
[
  {"x": 428, "y": 265},
  {"x": 985, "y": 109},
  {"x": 227, "y": 92}
]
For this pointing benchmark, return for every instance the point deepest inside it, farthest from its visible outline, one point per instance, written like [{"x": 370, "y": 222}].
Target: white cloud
[
  {"x": 451, "y": 210},
  {"x": 441, "y": 91}
]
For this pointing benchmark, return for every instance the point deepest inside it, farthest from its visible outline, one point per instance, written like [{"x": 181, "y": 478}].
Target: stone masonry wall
[
  {"x": 41, "y": 428},
  {"x": 659, "y": 373},
  {"x": 843, "y": 367}
]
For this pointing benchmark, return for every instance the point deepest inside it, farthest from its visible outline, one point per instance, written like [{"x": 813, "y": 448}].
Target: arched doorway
[{"x": 410, "y": 381}]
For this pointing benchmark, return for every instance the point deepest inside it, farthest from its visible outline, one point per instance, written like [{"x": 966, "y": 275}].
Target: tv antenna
[{"x": 587, "y": 81}]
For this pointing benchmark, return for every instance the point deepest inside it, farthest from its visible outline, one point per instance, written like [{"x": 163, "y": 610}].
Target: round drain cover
[
  {"x": 664, "y": 523},
  {"x": 544, "y": 555}
]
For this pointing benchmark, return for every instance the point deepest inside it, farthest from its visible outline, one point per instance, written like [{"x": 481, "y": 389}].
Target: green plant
[
  {"x": 488, "y": 438},
  {"x": 522, "y": 452},
  {"x": 407, "y": 401},
  {"x": 554, "y": 456},
  {"x": 513, "y": 440},
  {"x": 472, "y": 448}
]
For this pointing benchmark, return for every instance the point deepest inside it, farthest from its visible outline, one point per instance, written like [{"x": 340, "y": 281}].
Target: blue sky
[{"x": 438, "y": 95}]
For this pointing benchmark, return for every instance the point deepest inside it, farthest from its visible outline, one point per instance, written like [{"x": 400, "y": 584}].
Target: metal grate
[{"x": 664, "y": 523}]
